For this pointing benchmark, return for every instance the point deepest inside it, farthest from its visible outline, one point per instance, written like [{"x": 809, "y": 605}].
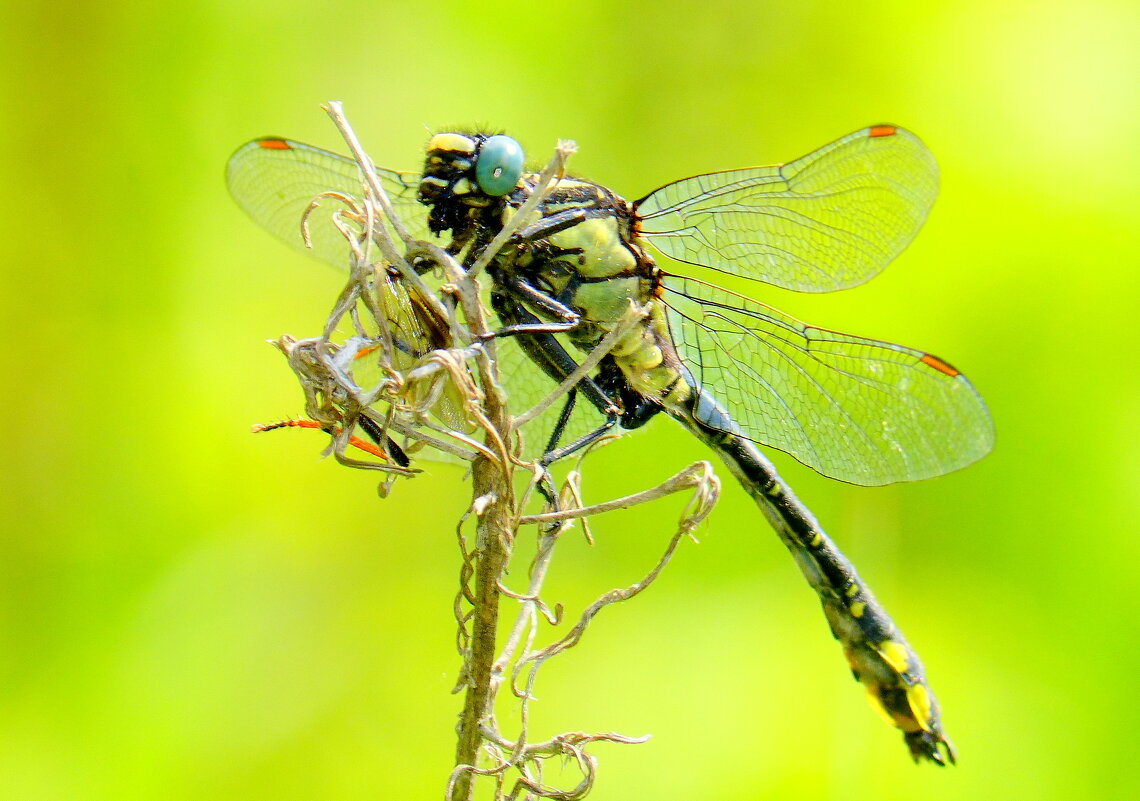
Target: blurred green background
[{"x": 190, "y": 612}]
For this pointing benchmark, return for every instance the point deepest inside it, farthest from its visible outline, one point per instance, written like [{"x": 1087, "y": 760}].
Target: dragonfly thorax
[{"x": 584, "y": 256}]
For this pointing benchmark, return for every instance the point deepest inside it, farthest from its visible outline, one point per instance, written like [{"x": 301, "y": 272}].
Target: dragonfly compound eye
[{"x": 499, "y": 165}]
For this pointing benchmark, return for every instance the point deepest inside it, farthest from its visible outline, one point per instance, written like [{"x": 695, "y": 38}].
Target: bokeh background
[{"x": 191, "y": 612}]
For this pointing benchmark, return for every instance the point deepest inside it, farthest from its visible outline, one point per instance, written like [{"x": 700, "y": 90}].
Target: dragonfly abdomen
[{"x": 878, "y": 654}]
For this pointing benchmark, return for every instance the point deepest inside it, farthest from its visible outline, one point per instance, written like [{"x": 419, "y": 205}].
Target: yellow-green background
[{"x": 190, "y": 612}]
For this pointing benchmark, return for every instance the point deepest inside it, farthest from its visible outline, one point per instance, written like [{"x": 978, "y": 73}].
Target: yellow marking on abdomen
[
  {"x": 878, "y": 705},
  {"x": 895, "y": 655},
  {"x": 919, "y": 699}
]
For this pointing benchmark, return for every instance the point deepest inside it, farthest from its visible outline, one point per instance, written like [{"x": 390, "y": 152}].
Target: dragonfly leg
[
  {"x": 382, "y": 440},
  {"x": 555, "y": 223},
  {"x": 546, "y": 486},
  {"x": 553, "y": 454},
  {"x": 546, "y": 227},
  {"x": 508, "y": 303},
  {"x": 563, "y": 419}
]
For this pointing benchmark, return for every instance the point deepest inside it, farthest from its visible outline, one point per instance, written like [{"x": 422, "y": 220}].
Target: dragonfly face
[
  {"x": 732, "y": 370},
  {"x": 464, "y": 174}
]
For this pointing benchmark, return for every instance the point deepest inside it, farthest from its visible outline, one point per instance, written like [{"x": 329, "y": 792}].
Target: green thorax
[{"x": 594, "y": 266}]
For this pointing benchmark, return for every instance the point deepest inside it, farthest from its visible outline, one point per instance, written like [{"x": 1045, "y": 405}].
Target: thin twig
[
  {"x": 691, "y": 476},
  {"x": 372, "y": 181},
  {"x": 335, "y": 110}
]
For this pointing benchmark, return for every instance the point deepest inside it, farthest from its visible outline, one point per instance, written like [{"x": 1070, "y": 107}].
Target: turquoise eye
[{"x": 499, "y": 166}]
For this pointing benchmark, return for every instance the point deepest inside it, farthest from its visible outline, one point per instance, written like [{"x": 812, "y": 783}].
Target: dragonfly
[{"x": 735, "y": 372}]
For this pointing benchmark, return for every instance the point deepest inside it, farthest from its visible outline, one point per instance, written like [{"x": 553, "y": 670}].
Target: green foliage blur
[{"x": 190, "y": 612}]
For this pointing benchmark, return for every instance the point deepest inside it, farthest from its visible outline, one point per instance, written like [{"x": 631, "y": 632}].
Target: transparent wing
[
  {"x": 854, "y": 409},
  {"x": 395, "y": 332},
  {"x": 830, "y": 220},
  {"x": 274, "y": 180}
]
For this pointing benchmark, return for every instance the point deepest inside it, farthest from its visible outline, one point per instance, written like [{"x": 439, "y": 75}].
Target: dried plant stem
[
  {"x": 404, "y": 399},
  {"x": 492, "y": 553},
  {"x": 494, "y": 502}
]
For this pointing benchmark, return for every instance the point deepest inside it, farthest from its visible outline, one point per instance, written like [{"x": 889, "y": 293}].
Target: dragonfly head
[{"x": 466, "y": 173}]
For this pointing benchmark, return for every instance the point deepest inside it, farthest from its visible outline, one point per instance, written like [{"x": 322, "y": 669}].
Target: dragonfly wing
[
  {"x": 394, "y": 333},
  {"x": 275, "y": 180},
  {"x": 830, "y": 220},
  {"x": 855, "y": 409}
]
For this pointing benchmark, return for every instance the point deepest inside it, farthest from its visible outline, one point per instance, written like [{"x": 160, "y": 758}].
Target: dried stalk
[{"x": 407, "y": 401}]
